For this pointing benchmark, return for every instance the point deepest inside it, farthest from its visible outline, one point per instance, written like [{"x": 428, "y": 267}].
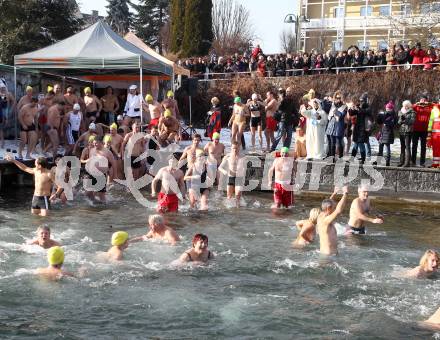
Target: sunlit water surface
[{"x": 257, "y": 287}]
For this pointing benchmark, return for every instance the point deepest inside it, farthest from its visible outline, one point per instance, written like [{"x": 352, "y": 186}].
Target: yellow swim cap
[
  {"x": 215, "y": 135},
  {"x": 87, "y": 90},
  {"x": 107, "y": 138},
  {"x": 29, "y": 88},
  {"x": 114, "y": 126},
  {"x": 49, "y": 88},
  {"x": 119, "y": 238},
  {"x": 55, "y": 256},
  {"x": 92, "y": 138},
  {"x": 170, "y": 94},
  {"x": 148, "y": 98},
  {"x": 167, "y": 113}
]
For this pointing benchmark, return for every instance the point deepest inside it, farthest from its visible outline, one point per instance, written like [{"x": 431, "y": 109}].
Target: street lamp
[{"x": 297, "y": 20}]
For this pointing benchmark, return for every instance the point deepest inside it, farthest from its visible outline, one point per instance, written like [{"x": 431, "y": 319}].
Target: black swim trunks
[
  {"x": 40, "y": 202},
  {"x": 135, "y": 165},
  {"x": 235, "y": 181},
  {"x": 91, "y": 114},
  {"x": 357, "y": 231},
  {"x": 29, "y": 128},
  {"x": 94, "y": 181},
  {"x": 255, "y": 121}
]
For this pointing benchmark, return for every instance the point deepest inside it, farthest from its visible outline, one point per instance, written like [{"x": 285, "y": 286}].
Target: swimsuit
[
  {"x": 72, "y": 130},
  {"x": 29, "y": 128},
  {"x": 255, "y": 121},
  {"x": 135, "y": 165},
  {"x": 153, "y": 122},
  {"x": 356, "y": 231},
  {"x": 167, "y": 202},
  {"x": 235, "y": 181},
  {"x": 282, "y": 196},
  {"x": 40, "y": 202},
  {"x": 91, "y": 114},
  {"x": 190, "y": 258},
  {"x": 271, "y": 123}
]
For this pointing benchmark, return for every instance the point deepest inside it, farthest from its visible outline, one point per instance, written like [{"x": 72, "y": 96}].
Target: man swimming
[
  {"x": 283, "y": 167},
  {"x": 119, "y": 244},
  {"x": 158, "y": 231},
  {"x": 43, "y": 238},
  {"x": 172, "y": 186},
  {"x": 55, "y": 258},
  {"x": 199, "y": 252},
  {"x": 427, "y": 267},
  {"x": 359, "y": 209},
  {"x": 328, "y": 238},
  {"x": 44, "y": 180},
  {"x": 307, "y": 229}
]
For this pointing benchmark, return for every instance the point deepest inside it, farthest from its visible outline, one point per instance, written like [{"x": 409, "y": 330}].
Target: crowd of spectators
[{"x": 351, "y": 60}]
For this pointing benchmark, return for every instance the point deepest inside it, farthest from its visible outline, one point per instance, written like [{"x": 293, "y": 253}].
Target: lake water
[{"x": 257, "y": 287}]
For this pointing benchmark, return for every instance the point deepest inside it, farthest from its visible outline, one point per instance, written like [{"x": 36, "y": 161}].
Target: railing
[{"x": 210, "y": 76}]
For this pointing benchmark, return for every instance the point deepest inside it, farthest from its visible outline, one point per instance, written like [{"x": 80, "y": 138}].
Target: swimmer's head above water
[
  {"x": 313, "y": 216},
  {"x": 328, "y": 206},
  {"x": 156, "y": 222},
  {"x": 430, "y": 261},
  {"x": 120, "y": 239},
  {"x": 200, "y": 242},
  {"x": 43, "y": 233},
  {"x": 55, "y": 256}
]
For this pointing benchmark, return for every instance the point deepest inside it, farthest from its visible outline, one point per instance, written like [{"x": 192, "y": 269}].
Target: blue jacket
[{"x": 336, "y": 123}]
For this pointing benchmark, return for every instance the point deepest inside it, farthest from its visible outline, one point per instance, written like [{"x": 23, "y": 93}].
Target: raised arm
[
  {"x": 339, "y": 208},
  {"x": 20, "y": 165}
]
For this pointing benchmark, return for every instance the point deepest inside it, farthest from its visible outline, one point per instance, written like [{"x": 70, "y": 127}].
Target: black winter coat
[
  {"x": 360, "y": 134},
  {"x": 388, "y": 120}
]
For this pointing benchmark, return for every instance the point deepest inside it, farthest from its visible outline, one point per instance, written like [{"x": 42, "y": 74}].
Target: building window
[
  {"x": 366, "y": 11},
  {"x": 405, "y": 9},
  {"x": 337, "y": 45},
  {"x": 428, "y": 8},
  {"x": 384, "y": 11},
  {"x": 364, "y": 45},
  {"x": 382, "y": 45},
  {"x": 338, "y": 12}
]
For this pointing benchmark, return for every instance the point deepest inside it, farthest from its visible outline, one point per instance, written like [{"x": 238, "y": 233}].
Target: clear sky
[{"x": 267, "y": 18}]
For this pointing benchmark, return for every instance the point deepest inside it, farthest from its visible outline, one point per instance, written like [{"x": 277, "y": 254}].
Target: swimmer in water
[
  {"x": 199, "y": 252},
  {"x": 158, "y": 231},
  {"x": 307, "y": 229},
  {"x": 43, "y": 238},
  {"x": 427, "y": 267},
  {"x": 119, "y": 244},
  {"x": 328, "y": 237},
  {"x": 360, "y": 207},
  {"x": 433, "y": 321},
  {"x": 55, "y": 258}
]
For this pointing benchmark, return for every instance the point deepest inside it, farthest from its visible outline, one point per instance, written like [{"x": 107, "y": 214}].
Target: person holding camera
[{"x": 406, "y": 120}]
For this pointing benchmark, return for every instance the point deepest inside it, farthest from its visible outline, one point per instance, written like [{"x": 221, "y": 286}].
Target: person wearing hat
[
  {"x": 72, "y": 122},
  {"x": 7, "y": 104},
  {"x": 110, "y": 105},
  {"x": 123, "y": 128},
  {"x": 214, "y": 119},
  {"x": 115, "y": 146},
  {"x": 83, "y": 139},
  {"x": 54, "y": 272},
  {"x": 93, "y": 105},
  {"x": 238, "y": 120},
  {"x": 132, "y": 109},
  {"x": 27, "y": 98},
  {"x": 420, "y": 129},
  {"x": 283, "y": 168},
  {"x": 27, "y": 119},
  {"x": 119, "y": 244},
  {"x": 171, "y": 104},
  {"x": 168, "y": 128}
]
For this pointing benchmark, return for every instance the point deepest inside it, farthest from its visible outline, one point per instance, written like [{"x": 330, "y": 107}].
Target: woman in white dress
[{"x": 315, "y": 132}]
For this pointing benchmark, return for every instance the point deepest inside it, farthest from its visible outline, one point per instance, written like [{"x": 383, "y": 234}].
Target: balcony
[{"x": 349, "y": 23}]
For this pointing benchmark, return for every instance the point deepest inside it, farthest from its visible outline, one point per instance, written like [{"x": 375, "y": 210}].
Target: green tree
[
  {"x": 119, "y": 16},
  {"x": 151, "y": 17},
  {"x": 28, "y": 25},
  {"x": 197, "y": 35},
  {"x": 177, "y": 12}
]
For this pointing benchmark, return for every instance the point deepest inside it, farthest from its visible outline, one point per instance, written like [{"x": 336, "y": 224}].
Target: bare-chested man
[
  {"x": 360, "y": 207},
  {"x": 54, "y": 131},
  {"x": 172, "y": 187},
  {"x": 99, "y": 163},
  {"x": 283, "y": 190},
  {"x": 215, "y": 151},
  {"x": 83, "y": 139},
  {"x": 122, "y": 125},
  {"x": 189, "y": 153},
  {"x": 27, "y": 118},
  {"x": 271, "y": 124},
  {"x": 115, "y": 147},
  {"x": 155, "y": 110},
  {"x": 136, "y": 144},
  {"x": 171, "y": 104},
  {"x": 43, "y": 238},
  {"x": 168, "y": 128},
  {"x": 110, "y": 105},
  {"x": 58, "y": 92},
  {"x": 44, "y": 180},
  {"x": 55, "y": 258},
  {"x": 93, "y": 105},
  {"x": 70, "y": 98},
  {"x": 158, "y": 231},
  {"x": 26, "y": 99},
  {"x": 328, "y": 237},
  {"x": 233, "y": 166}
]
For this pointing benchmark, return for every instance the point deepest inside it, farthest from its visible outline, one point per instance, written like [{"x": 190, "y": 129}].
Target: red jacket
[
  {"x": 428, "y": 60},
  {"x": 423, "y": 114},
  {"x": 417, "y": 56}
]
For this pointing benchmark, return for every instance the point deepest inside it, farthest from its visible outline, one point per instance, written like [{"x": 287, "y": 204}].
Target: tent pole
[
  {"x": 141, "y": 92},
  {"x": 15, "y": 95}
]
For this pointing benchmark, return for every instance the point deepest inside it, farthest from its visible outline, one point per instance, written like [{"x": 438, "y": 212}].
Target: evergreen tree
[
  {"x": 177, "y": 25},
  {"x": 149, "y": 21},
  {"x": 119, "y": 16},
  {"x": 197, "y": 36},
  {"x": 28, "y": 25}
]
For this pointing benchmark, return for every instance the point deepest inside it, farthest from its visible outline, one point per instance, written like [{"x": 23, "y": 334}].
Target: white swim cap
[
  {"x": 119, "y": 117},
  {"x": 92, "y": 126},
  {"x": 76, "y": 107},
  {"x": 133, "y": 87},
  {"x": 254, "y": 96}
]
